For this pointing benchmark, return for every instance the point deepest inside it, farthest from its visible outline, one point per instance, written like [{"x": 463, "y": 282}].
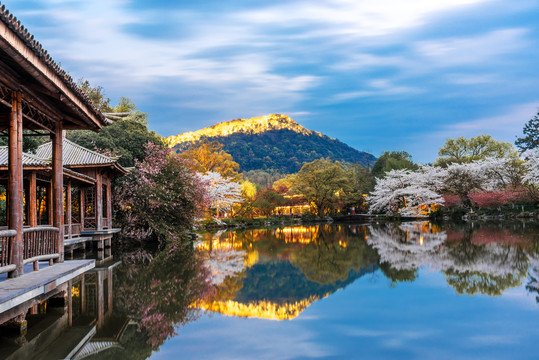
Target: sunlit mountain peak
[{"x": 247, "y": 126}]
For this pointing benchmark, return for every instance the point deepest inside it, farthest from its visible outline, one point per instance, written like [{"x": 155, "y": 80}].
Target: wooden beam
[
  {"x": 44, "y": 74},
  {"x": 58, "y": 188}
]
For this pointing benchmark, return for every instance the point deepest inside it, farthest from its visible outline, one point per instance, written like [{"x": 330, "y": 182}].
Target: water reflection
[
  {"x": 475, "y": 258},
  {"x": 277, "y": 273},
  {"x": 134, "y": 302}
]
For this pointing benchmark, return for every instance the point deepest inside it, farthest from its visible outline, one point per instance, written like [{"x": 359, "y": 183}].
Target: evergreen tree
[{"x": 530, "y": 140}]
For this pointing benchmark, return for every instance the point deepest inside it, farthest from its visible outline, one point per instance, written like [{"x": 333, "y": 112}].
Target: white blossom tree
[
  {"x": 402, "y": 190},
  {"x": 531, "y": 178},
  {"x": 222, "y": 192},
  {"x": 532, "y": 167}
]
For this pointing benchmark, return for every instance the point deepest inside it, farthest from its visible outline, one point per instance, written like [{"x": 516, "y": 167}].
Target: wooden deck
[{"x": 14, "y": 292}]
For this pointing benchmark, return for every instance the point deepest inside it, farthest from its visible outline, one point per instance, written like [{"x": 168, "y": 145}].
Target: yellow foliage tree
[{"x": 209, "y": 156}]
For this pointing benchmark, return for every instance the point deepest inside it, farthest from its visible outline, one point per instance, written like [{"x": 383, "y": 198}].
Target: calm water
[{"x": 413, "y": 290}]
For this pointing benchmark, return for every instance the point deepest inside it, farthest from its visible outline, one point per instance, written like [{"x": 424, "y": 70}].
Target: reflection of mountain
[
  {"x": 298, "y": 266},
  {"x": 474, "y": 260},
  {"x": 279, "y": 281},
  {"x": 277, "y": 290}
]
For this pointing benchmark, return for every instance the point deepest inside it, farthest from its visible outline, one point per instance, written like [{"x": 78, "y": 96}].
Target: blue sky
[{"x": 376, "y": 74}]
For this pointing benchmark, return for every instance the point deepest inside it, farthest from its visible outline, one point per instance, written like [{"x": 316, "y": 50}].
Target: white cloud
[
  {"x": 502, "y": 127},
  {"x": 478, "y": 50},
  {"x": 377, "y": 87},
  {"x": 473, "y": 79},
  {"x": 352, "y": 18}
]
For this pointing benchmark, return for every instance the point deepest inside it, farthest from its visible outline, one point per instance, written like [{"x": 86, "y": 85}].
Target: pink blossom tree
[{"x": 161, "y": 196}]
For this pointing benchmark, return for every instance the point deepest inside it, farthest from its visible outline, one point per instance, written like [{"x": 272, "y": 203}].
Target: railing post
[
  {"x": 15, "y": 183},
  {"x": 57, "y": 188}
]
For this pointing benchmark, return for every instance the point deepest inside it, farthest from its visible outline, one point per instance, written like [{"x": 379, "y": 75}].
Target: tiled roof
[
  {"x": 18, "y": 29},
  {"x": 74, "y": 154},
  {"x": 27, "y": 159}
]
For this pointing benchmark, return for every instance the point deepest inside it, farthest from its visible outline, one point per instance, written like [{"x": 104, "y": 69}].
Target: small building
[
  {"x": 87, "y": 206},
  {"x": 87, "y": 193}
]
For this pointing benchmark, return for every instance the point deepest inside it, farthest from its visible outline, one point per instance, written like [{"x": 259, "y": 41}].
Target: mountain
[{"x": 272, "y": 143}]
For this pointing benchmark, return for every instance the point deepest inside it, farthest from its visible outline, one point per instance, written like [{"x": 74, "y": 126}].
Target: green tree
[
  {"x": 323, "y": 183},
  {"x": 392, "y": 160},
  {"x": 96, "y": 95},
  {"x": 126, "y": 137},
  {"x": 362, "y": 183},
  {"x": 267, "y": 200},
  {"x": 530, "y": 140},
  {"x": 464, "y": 150}
]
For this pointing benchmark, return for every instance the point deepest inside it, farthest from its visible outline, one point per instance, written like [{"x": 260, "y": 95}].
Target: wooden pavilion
[{"x": 37, "y": 97}]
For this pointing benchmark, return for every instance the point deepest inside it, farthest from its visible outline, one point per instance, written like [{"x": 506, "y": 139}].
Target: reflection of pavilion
[{"x": 75, "y": 325}]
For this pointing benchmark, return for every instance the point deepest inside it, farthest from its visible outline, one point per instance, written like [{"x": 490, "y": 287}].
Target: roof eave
[{"x": 47, "y": 74}]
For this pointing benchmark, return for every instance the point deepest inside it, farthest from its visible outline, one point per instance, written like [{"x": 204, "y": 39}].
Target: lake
[{"x": 384, "y": 291}]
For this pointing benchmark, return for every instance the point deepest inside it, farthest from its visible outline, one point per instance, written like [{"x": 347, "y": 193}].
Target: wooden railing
[
  {"x": 90, "y": 223},
  {"x": 6, "y": 237},
  {"x": 75, "y": 230},
  {"x": 40, "y": 243}
]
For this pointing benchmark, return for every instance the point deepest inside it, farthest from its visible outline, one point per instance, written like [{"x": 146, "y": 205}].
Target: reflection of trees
[
  {"x": 158, "y": 295},
  {"x": 476, "y": 258},
  {"x": 333, "y": 255},
  {"x": 287, "y": 268},
  {"x": 397, "y": 275},
  {"x": 533, "y": 283},
  {"x": 474, "y": 282}
]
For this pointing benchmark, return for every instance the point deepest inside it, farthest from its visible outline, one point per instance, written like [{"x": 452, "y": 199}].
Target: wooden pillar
[
  {"x": 82, "y": 206},
  {"x": 99, "y": 201},
  {"x": 68, "y": 207},
  {"x": 50, "y": 205},
  {"x": 32, "y": 201},
  {"x": 109, "y": 203},
  {"x": 58, "y": 188},
  {"x": 15, "y": 183}
]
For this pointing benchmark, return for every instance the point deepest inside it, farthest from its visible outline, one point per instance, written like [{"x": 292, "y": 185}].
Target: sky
[{"x": 376, "y": 74}]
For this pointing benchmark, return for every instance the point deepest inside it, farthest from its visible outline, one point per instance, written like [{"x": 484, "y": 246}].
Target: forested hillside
[{"x": 282, "y": 149}]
